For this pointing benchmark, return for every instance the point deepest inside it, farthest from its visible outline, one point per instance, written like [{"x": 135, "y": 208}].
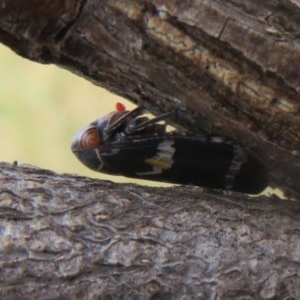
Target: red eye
[
  {"x": 120, "y": 107},
  {"x": 90, "y": 139}
]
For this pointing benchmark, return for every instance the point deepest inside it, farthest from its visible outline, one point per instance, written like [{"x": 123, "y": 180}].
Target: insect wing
[
  {"x": 169, "y": 158},
  {"x": 128, "y": 156},
  {"x": 130, "y": 144}
]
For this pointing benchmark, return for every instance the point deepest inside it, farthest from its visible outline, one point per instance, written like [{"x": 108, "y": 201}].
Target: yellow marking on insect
[
  {"x": 163, "y": 165},
  {"x": 163, "y": 160}
]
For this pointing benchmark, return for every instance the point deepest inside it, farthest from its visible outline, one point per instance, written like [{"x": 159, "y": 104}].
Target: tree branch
[
  {"x": 228, "y": 67},
  {"x": 74, "y": 237}
]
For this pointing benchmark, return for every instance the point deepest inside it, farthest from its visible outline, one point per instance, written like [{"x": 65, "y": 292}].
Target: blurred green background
[{"x": 41, "y": 108}]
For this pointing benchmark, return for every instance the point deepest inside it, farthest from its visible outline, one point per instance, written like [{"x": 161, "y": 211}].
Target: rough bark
[
  {"x": 229, "y": 67},
  {"x": 69, "y": 237}
]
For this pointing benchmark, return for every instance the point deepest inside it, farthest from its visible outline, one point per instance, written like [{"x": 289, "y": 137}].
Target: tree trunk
[
  {"x": 69, "y": 237},
  {"x": 229, "y": 67}
]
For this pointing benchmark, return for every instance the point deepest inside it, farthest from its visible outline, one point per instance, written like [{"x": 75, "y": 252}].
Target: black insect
[{"x": 130, "y": 144}]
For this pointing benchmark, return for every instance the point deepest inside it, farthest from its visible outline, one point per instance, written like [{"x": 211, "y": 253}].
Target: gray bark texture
[
  {"x": 228, "y": 67},
  {"x": 78, "y": 238}
]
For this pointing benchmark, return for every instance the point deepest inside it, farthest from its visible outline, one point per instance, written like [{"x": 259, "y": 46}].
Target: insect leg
[
  {"x": 136, "y": 128},
  {"x": 119, "y": 122}
]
